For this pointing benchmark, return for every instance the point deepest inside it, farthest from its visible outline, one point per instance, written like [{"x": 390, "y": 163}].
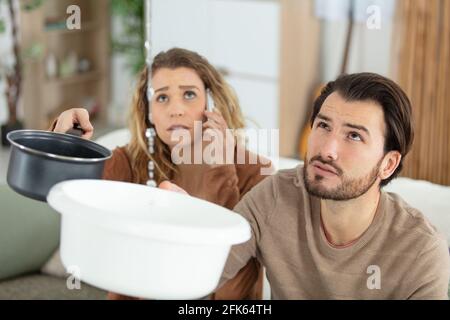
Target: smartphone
[{"x": 209, "y": 101}]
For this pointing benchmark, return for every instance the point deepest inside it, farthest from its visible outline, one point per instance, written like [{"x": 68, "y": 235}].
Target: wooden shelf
[
  {"x": 75, "y": 79},
  {"x": 85, "y": 27},
  {"x": 43, "y": 97}
]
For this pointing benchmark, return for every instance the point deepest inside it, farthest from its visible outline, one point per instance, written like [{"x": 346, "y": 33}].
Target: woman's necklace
[{"x": 150, "y": 134}]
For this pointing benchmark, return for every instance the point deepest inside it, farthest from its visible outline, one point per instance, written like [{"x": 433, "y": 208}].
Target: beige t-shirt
[{"x": 400, "y": 256}]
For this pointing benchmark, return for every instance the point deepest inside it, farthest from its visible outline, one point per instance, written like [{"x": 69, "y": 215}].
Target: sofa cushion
[
  {"x": 431, "y": 199},
  {"x": 29, "y": 233},
  {"x": 43, "y": 287}
]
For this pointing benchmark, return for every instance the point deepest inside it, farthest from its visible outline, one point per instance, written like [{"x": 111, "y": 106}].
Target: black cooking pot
[{"x": 41, "y": 159}]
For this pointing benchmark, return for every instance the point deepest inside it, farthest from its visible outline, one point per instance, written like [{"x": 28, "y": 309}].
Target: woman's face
[{"x": 179, "y": 101}]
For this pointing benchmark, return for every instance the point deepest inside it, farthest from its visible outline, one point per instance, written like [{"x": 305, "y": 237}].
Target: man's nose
[{"x": 329, "y": 149}]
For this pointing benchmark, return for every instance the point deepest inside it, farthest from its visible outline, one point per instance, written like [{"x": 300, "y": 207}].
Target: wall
[
  {"x": 239, "y": 37},
  {"x": 370, "y": 51}
]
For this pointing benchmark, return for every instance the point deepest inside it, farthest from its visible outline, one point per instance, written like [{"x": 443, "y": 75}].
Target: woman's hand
[
  {"x": 69, "y": 118},
  {"x": 167, "y": 185},
  {"x": 226, "y": 140}
]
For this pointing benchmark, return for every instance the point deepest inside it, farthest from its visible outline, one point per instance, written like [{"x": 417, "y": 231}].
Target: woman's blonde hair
[{"x": 224, "y": 98}]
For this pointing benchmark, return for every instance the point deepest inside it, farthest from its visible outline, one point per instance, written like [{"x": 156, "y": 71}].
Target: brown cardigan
[{"x": 224, "y": 185}]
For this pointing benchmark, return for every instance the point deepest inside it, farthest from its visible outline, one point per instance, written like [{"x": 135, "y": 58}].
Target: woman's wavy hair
[{"x": 224, "y": 98}]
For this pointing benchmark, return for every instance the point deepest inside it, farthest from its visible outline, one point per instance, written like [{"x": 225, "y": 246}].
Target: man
[{"x": 326, "y": 230}]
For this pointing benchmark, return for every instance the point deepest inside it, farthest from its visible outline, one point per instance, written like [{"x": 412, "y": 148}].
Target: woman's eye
[
  {"x": 162, "y": 98},
  {"x": 354, "y": 136},
  {"x": 189, "y": 95}
]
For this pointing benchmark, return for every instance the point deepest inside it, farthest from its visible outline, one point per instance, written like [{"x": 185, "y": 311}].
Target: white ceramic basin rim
[{"x": 142, "y": 211}]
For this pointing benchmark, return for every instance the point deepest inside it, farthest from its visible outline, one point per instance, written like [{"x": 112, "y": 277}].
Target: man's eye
[
  {"x": 354, "y": 136},
  {"x": 189, "y": 95},
  {"x": 162, "y": 98},
  {"x": 322, "y": 125}
]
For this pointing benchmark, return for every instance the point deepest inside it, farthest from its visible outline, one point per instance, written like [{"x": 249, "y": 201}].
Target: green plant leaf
[
  {"x": 32, "y": 4},
  {"x": 34, "y": 52},
  {"x": 130, "y": 43}
]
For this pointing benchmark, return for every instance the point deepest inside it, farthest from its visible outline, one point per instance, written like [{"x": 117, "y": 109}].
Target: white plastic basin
[{"x": 144, "y": 242}]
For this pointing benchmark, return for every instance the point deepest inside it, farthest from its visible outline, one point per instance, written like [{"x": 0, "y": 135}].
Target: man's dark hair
[{"x": 385, "y": 92}]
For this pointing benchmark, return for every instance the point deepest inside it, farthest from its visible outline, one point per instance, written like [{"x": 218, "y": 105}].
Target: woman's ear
[{"x": 390, "y": 162}]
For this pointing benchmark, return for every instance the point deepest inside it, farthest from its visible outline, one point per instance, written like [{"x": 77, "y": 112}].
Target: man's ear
[{"x": 390, "y": 162}]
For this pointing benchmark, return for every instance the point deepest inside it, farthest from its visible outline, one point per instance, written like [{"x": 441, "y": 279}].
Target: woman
[{"x": 181, "y": 80}]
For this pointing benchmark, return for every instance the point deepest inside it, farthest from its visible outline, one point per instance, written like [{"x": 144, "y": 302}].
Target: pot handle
[{"x": 76, "y": 130}]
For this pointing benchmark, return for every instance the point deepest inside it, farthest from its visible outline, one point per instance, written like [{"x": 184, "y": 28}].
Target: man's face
[{"x": 345, "y": 149}]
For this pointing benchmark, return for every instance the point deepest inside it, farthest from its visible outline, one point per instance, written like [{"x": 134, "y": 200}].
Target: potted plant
[{"x": 130, "y": 42}]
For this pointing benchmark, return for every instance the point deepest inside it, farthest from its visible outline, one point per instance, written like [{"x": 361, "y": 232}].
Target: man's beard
[{"x": 347, "y": 190}]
